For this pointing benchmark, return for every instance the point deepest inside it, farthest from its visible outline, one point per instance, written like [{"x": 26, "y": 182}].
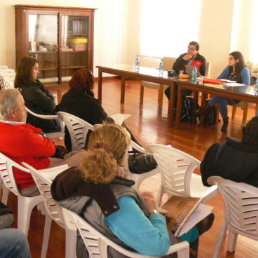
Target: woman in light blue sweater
[
  {"x": 235, "y": 71},
  {"x": 98, "y": 192}
]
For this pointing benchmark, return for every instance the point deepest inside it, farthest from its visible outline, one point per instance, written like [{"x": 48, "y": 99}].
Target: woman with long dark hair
[
  {"x": 235, "y": 71},
  {"x": 37, "y": 97}
]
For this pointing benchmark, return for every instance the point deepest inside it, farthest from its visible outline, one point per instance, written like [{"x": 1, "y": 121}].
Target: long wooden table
[
  {"x": 143, "y": 74},
  {"x": 244, "y": 93}
]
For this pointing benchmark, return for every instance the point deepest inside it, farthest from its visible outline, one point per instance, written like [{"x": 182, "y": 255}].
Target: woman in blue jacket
[{"x": 235, "y": 71}]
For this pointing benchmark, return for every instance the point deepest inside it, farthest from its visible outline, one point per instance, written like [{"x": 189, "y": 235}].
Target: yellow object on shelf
[{"x": 78, "y": 40}]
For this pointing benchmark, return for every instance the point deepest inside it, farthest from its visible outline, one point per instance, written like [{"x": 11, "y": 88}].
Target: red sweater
[{"x": 23, "y": 143}]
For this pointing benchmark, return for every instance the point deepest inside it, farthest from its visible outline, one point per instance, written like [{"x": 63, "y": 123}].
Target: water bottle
[
  {"x": 137, "y": 63},
  {"x": 194, "y": 74},
  {"x": 161, "y": 67}
]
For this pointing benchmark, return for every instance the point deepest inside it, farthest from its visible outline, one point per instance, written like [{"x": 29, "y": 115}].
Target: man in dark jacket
[
  {"x": 191, "y": 58},
  {"x": 234, "y": 160}
]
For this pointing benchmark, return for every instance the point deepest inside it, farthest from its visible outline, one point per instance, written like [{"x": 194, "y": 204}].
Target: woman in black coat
[{"x": 37, "y": 98}]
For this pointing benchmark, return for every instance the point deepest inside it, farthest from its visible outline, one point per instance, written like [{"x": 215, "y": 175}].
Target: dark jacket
[
  {"x": 231, "y": 160},
  {"x": 199, "y": 60},
  {"x": 39, "y": 100},
  {"x": 83, "y": 105}
]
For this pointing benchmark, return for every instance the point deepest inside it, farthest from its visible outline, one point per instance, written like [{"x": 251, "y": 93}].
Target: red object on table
[{"x": 213, "y": 81}]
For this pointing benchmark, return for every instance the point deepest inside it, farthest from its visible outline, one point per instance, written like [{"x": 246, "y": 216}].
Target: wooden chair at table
[{"x": 150, "y": 61}]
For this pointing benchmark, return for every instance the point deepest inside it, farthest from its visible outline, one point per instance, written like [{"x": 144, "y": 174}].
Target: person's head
[
  {"x": 250, "y": 132},
  {"x": 107, "y": 148},
  {"x": 193, "y": 48},
  {"x": 236, "y": 59},
  {"x": 12, "y": 107},
  {"x": 27, "y": 71},
  {"x": 82, "y": 80}
]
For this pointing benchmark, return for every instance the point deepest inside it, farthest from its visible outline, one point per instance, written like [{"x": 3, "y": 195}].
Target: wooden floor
[{"x": 149, "y": 126}]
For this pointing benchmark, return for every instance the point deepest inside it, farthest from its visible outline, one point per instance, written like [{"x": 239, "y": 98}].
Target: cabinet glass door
[
  {"x": 74, "y": 44},
  {"x": 43, "y": 44}
]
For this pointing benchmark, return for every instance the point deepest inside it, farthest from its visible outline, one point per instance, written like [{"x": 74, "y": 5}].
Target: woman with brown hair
[
  {"x": 109, "y": 203},
  {"x": 37, "y": 98}
]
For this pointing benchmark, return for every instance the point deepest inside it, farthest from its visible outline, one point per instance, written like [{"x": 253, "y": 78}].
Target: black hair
[{"x": 196, "y": 44}]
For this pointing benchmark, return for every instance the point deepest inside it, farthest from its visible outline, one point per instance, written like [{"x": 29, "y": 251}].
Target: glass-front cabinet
[{"x": 60, "y": 38}]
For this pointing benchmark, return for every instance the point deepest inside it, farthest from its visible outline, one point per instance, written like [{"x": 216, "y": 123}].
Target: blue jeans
[
  {"x": 223, "y": 102},
  {"x": 13, "y": 244}
]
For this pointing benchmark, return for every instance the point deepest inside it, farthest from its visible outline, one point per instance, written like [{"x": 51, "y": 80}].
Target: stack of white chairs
[
  {"x": 177, "y": 177},
  {"x": 97, "y": 244},
  {"x": 7, "y": 77},
  {"x": 241, "y": 211},
  {"x": 43, "y": 179}
]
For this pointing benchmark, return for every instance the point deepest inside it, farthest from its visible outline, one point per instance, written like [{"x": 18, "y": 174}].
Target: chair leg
[
  {"x": 47, "y": 228},
  {"x": 232, "y": 239},
  {"x": 24, "y": 212},
  {"x": 222, "y": 234},
  {"x": 70, "y": 243},
  {"x": 159, "y": 196},
  {"x": 217, "y": 113},
  {"x": 141, "y": 94},
  {"x": 245, "y": 111}
]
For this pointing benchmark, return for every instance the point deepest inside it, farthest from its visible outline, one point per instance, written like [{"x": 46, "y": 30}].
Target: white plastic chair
[
  {"x": 49, "y": 117},
  {"x": 25, "y": 204},
  {"x": 138, "y": 178},
  {"x": 97, "y": 244},
  {"x": 241, "y": 211},
  {"x": 177, "y": 177},
  {"x": 44, "y": 178},
  {"x": 77, "y": 127}
]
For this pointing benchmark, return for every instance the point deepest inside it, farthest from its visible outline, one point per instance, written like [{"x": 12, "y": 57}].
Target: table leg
[
  {"x": 171, "y": 104},
  {"x": 122, "y": 89},
  {"x": 100, "y": 86},
  {"x": 179, "y": 106}
]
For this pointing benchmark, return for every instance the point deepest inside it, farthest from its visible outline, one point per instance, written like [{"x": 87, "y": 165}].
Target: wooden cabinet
[{"x": 61, "y": 38}]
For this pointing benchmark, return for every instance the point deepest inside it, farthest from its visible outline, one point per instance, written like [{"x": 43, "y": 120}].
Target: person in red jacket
[{"x": 23, "y": 142}]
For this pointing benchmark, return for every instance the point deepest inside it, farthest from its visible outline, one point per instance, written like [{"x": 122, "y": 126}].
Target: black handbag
[
  {"x": 6, "y": 216},
  {"x": 140, "y": 163}
]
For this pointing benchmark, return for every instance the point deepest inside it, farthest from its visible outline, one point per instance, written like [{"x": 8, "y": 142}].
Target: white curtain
[{"x": 167, "y": 26}]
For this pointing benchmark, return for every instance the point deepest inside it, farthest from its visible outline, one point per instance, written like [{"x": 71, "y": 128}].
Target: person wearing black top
[{"x": 37, "y": 98}]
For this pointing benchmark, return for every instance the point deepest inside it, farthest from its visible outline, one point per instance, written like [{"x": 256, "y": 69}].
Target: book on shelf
[{"x": 183, "y": 213}]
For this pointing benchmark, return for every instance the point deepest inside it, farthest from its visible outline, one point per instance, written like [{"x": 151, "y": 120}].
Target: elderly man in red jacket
[{"x": 23, "y": 142}]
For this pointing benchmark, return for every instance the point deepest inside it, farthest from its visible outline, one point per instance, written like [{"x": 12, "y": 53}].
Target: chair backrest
[
  {"x": 77, "y": 127},
  {"x": 97, "y": 244},
  {"x": 168, "y": 62},
  {"x": 6, "y": 170},
  {"x": 43, "y": 179},
  {"x": 241, "y": 206},
  {"x": 176, "y": 166}
]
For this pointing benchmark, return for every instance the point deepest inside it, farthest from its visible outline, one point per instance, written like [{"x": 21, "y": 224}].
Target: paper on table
[
  {"x": 234, "y": 84},
  {"x": 199, "y": 214},
  {"x": 119, "y": 118}
]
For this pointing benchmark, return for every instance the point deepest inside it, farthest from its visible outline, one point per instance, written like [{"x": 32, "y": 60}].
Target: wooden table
[
  {"x": 143, "y": 74},
  {"x": 244, "y": 93}
]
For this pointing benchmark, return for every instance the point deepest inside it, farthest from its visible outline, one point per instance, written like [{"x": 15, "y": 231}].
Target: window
[{"x": 167, "y": 26}]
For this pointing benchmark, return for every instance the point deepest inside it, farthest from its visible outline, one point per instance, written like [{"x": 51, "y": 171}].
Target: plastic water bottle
[
  {"x": 137, "y": 63},
  {"x": 161, "y": 67},
  {"x": 194, "y": 74}
]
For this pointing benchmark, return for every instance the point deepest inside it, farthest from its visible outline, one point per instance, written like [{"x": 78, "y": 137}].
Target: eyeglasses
[{"x": 192, "y": 49}]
